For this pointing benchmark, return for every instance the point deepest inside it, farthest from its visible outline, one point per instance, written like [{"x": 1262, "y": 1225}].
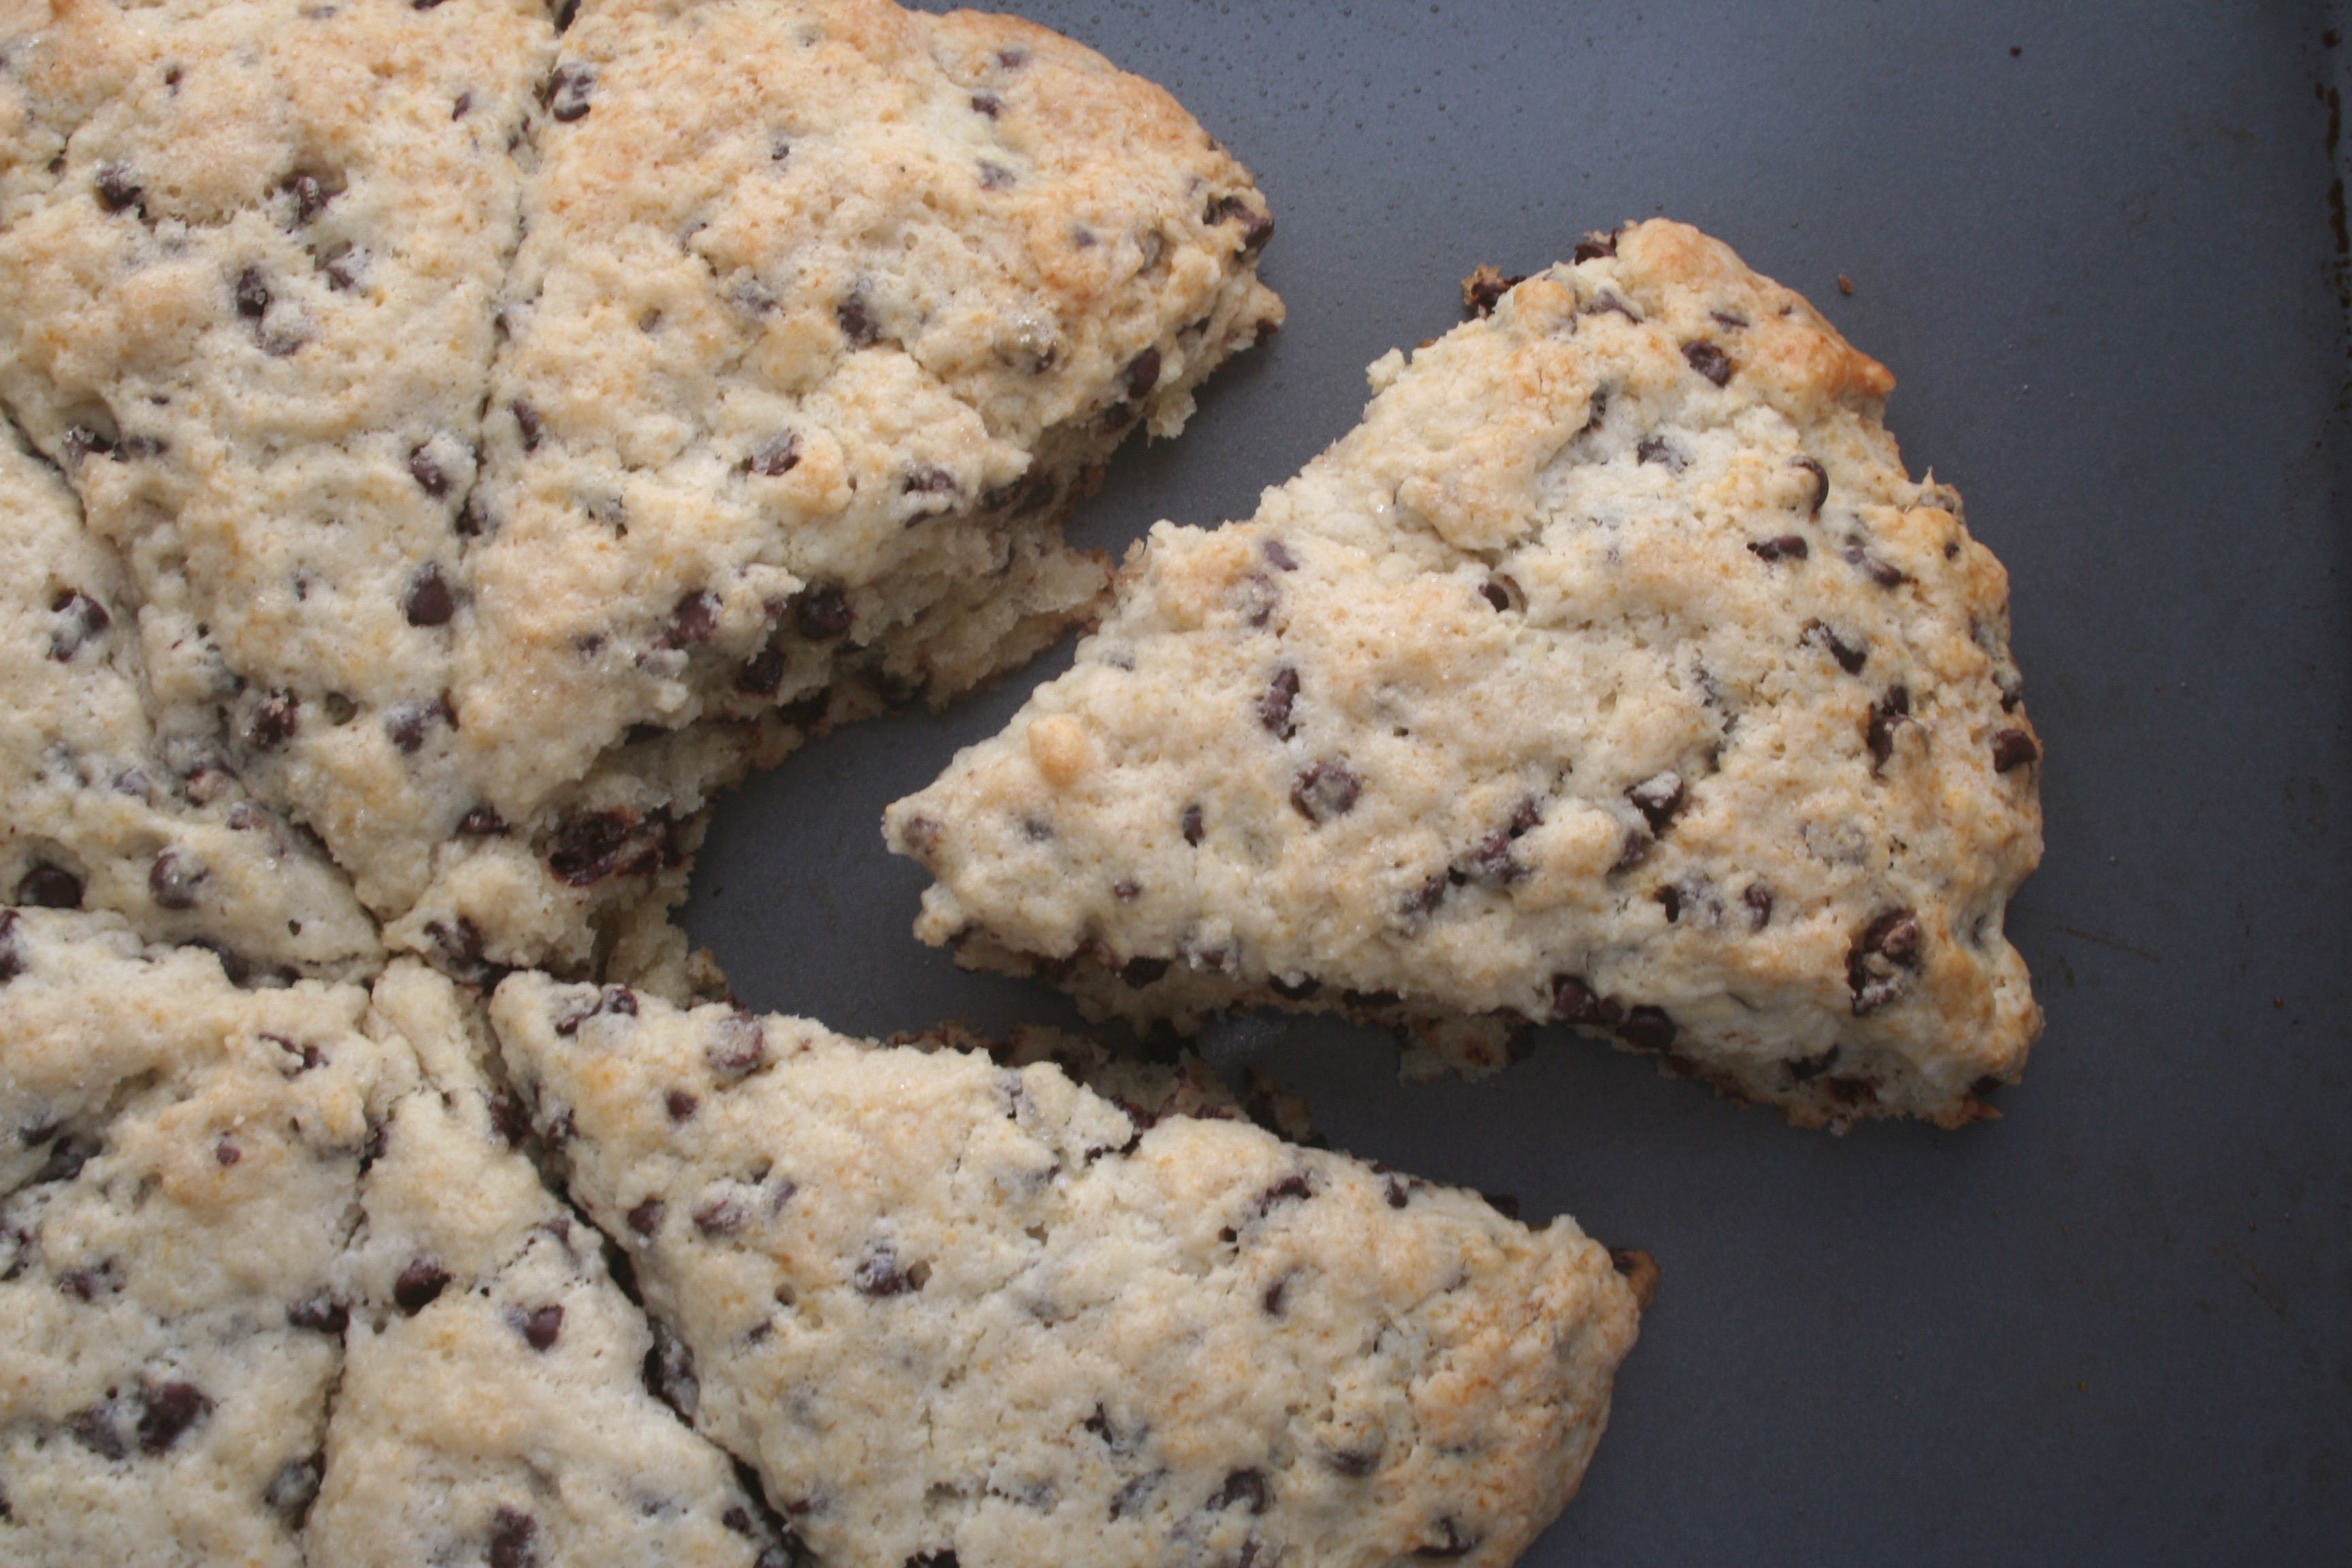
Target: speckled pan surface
[{"x": 2115, "y": 1324}]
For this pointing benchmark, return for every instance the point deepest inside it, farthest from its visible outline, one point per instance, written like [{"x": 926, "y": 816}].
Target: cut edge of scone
[
  {"x": 1090, "y": 1324},
  {"x": 1516, "y": 494}
]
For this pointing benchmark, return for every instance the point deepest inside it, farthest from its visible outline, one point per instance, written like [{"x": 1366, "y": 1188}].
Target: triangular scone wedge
[
  {"x": 180, "y": 1161},
  {"x": 493, "y": 1404},
  {"x": 954, "y": 1311},
  {"x": 102, "y": 813},
  {"x": 826, "y": 315},
  {"x": 1611, "y": 671}
]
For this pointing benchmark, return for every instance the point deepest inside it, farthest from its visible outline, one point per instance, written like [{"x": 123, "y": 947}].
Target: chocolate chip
[
  {"x": 1658, "y": 450},
  {"x": 647, "y": 1217},
  {"x": 252, "y": 295},
  {"x": 166, "y": 1411},
  {"x": 1257, "y": 226},
  {"x": 1786, "y": 547},
  {"x": 1879, "y": 964},
  {"x": 856, "y": 321},
  {"x": 775, "y": 456},
  {"x": 1574, "y": 1002},
  {"x": 988, "y": 104},
  {"x": 593, "y": 845},
  {"x": 419, "y": 1285},
  {"x": 1849, "y": 657},
  {"x": 1659, "y": 797},
  {"x": 1731, "y": 319},
  {"x": 994, "y": 176},
  {"x": 1821, "y": 482},
  {"x": 293, "y": 1489},
  {"x": 1891, "y": 711},
  {"x": 323, "y": 1313},
  {"x": 1327, "y": 790},
  {"x": 48, "y": 886},
  {"x": 528, "y": 423},
  {"x": 1358, "y": 1462},
  {"x": 680, "y": 1105},
  {"x": 1398, "y": 1190},
  {"x": 311, "y": 196},
  {"x": 880, "y": 1273},
  {"x": 481, "y": 821},
  {"x": 89, "y": 1284},
  {"x": 1759, "y": 899},
  {"x": 276, "y": 717},
  {"x": 1142, "y": 376},
  {"x": 428, "y": 602},
  {"x": 1451, "y": 1542},
  {"x": 1191, "y": 825},
  {"x": 94, "y": 1429},
  {"x": 406, "y": 722},
  {"x": 1278, "y": 556},
  {"x": 929, "y": 480},
  {"x": 1246, "y": 1488},
  {"x": 738, "y": 1046},
  {"x": 1708, "y": 360},
  {"x": 721, "y": 1215},
  {"x": 1296, "y": 1187},
  {"x": 1274, "y": 708},
  {"x": 540, "y": 1325},
  {"x": 569, "y": 91},
  {"x": 226, "y": 1154},
  {"x": 513, "y": 1532},
  {"x": 118, "y": 188},
  {"x": 2013, "y": 749},
  {"x": 821, "y": 613},
  {"x": 81, "y": 618},
  {"x": 1885, "y": 573},
  {"x": 1609, "y": 299},
  {"x": 1426, "y": 896},
  {"x": 1595, "y": 245},
  {"x": 174, "y": 878},
  {"x": 1484, "y": 289},
  {"x": 1647, "y": 1028}
]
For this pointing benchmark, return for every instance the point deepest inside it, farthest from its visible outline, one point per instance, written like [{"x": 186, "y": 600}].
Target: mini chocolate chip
[
  {"x": 513, "y": 1532},
  {"x": 1278, "y": 556},
  {"x": 1191, "y": 825},
  {"x": 1708, "y": 360},
  {"x": 428, "y": 602},
  {"x": 994, "y": 176},
  {"x": 1296, "y": 1187},
  {"x": 405, "y": 723},
  {"x": 419, "y": 1285},
  {"x": 1595, "y": 245},
  {"x": 1451, "y": 1542},
  {"x": 293, "y": 1489},
  {"x": 12, "y": 949},
  {"x": 321, "y": 1314},
  {"x": 695, "y": 621},
  {"x": 1786, "y": 547},
  {"x": 310, "y": 197},
  {"x": 174, "y": 878},
  {"x": 1246, "y": 1487},
  {"x": 856, "y": 321},
  {"x": 1426, "y": 896},
  {"x": 252, "y": 295},
  {"x": 1574, "y": 1002},
  {"x": 2013, "y": 749},
  {"x": 880, "y": 1273},
  {"x": 48, "y": 887},
  {"x": 720, "y": 1216},
  {"x": 1607, "y": 301},
  {"x": 929, "y": 480},
  {"x": 166, "y": 1410},
  {"x": 570, "y": 89},
  {"x": 1821, "y": 481},
  {"x": 94, "y": 1429},
  {"x": 118, "y": 188},
  {"x": 1327, "y": 790},
  {"x": 474, "y": 518},
  {"x": 82, "y": 618},
  {"x": 540, "y": 1326},
  {"x": 1142, "y": 376},
  {"x": 1849, "y": 657},
  {"x": 1495, "y": 593},
  {"x": 987, "y": 103},
  {"x": 89, "y": 1284},
  {"x": 1891, "y": 711},
  {"x": 1274, "y": 709},
  {"x": 528, "y": 423},
  {"x": 822, "y": 613},
  {"x": 1733, "y": 320},
  {"x": 226, "y": 1154},
  {"x": 738, "y": 1046},
  {"x": 481, "y": 821},
  {"x": 1875, "y": 965},
  {"x": 762, "y": 673},
  {"x": 1885, "y": 573},
  {"x": 1658, "y": 450},
  {"x": 647, "y": 1217},
  {"x": 588, "y": 848},
  {"x": 1647, "y": 1028},
  {"x": 1398, "y": 1190},
  {"x": 1484, "y": 289},
  {"x": 1659, "y": 797},
  {"x": 776, "y": 456},
  {"x": 275, "y": 720},
  {"x": 680, "y": 1105},
  {"x": 1759, "y": 899}
]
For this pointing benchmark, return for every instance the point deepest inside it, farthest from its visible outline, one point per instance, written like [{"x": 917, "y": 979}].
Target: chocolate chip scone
[
  {"x": 181, "y": 1169},
  {"x": 953, "y": 1312},
  {"x": 492, "y": 1403},
  {"x": 826, "y": 315},
  {"x": 102, "y": 813},
  {"x": 1611, "y": 671}
]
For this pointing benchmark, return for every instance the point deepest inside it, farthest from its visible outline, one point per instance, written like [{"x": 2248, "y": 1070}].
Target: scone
[
  {"x": 958, "y": 1312},
  {"x": 1611, "y": 671},
  {"x": 493, "y": 1402},
  {"x": 510, "y": 437},
  {"x": 99, "y": 811}
]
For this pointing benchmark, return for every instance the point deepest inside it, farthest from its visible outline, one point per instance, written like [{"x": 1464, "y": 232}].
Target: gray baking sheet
[{"x": 2103, "y": 248}]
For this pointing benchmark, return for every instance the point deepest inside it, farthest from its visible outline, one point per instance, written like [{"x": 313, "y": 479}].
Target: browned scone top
[{"x": 1613, "y": 672}]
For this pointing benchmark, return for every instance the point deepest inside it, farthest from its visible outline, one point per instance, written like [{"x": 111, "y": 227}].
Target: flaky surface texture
[
  {"x": 509, "y": 437},
  {"x": 1612, "y": 670},
  {"x": 957, "y": 1311}
]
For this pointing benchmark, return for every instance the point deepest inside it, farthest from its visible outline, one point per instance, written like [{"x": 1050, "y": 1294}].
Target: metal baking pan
[{"x": 2103, "y": 250}]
